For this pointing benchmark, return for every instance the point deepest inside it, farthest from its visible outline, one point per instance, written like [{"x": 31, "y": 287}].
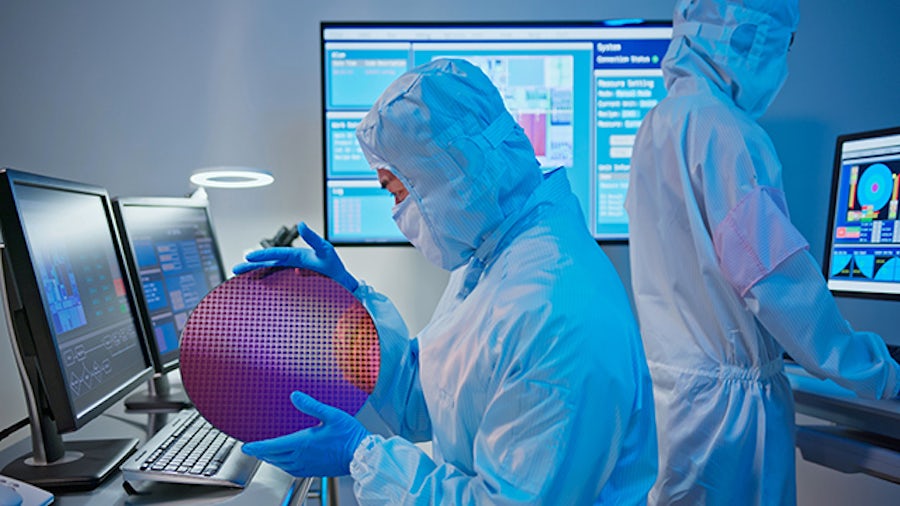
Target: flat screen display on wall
[{"x": 578, "y": 90}]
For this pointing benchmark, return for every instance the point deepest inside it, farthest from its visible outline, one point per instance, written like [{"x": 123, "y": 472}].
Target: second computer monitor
[{"x": 173, "y": 251}]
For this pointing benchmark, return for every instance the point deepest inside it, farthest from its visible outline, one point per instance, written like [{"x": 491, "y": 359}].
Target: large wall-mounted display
[{"x": 578, "y": 90}]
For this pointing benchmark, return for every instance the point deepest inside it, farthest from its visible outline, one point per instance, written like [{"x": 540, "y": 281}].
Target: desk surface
[
  {"x": 269, "y": 485},
  {"x": 865, "y": 437},
  {"x": 829, "y": 401}
]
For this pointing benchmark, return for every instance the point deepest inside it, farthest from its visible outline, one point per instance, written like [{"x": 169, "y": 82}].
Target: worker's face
[{"x": 390, "y": 183}]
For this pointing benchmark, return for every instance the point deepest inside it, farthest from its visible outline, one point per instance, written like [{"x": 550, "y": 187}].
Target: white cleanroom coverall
[
  {"x": 530, "y": 379},
  {"x": 723, "y": 282}
]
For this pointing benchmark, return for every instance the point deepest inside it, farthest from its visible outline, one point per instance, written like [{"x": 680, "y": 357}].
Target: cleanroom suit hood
[
  {"x": 738, "y": 46},
  {"x": 530, "y": 379},
  {"x": 723, "y": 282},
  {"x": 442, "y": 121}
]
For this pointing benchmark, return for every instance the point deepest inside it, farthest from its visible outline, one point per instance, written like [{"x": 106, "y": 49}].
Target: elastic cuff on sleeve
[
  {"x": 362, "y": 290},
  {"x": 368, "y": 443}
]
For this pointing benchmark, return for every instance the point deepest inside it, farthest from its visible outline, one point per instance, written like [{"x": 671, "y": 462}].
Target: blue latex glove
[
  {"x": 323, "y": 450},
  {"x": 321, "y": 258}
]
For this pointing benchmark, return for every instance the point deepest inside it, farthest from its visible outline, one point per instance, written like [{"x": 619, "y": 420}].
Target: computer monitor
[
  {"x": 862, "y": 256},
  {"x": 171, "y": 247},
  {"x": 579, "y": 90},
  {"x": 71, "y": 311}
]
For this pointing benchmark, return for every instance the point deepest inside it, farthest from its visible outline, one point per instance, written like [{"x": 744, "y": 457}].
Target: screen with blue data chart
[
  {"x": 172, "y": 248},
  {"x": 579, "y": 90},
  {"x": 863, "y": 243}
]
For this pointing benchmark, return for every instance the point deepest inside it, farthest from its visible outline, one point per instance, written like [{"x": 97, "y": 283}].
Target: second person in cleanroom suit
[
  {"x": 723, "y": 282},
  {"x": 530, "y": 380}
]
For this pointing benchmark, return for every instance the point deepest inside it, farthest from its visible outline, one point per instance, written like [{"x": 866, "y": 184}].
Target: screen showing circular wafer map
[{"x": 864, "y": 236}]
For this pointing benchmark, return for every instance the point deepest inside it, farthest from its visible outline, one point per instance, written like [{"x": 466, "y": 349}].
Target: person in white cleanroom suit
[
  {"x": 723, "y": 282},
  {"x": 530, "y": 380}
]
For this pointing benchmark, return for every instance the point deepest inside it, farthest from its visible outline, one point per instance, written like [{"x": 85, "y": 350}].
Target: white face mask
[{"x": 409, "y": 220}]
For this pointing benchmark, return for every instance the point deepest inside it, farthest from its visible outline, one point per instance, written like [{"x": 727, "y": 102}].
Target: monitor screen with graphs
[
  {"x": 579, "y": 90},
  {"x": 862, "y": 256},
  {"x": 76, "y": 333},
  {"x": 72, "y": 302},
  {"x": 170, "y": 245}
]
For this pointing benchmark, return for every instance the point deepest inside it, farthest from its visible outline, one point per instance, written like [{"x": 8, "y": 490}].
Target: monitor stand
[
  {"x": 160, "y": 397},
  {"x": 84, "y": 465}
]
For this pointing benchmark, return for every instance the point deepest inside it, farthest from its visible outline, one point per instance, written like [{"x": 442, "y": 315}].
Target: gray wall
[{"x": 134, "y": 95}]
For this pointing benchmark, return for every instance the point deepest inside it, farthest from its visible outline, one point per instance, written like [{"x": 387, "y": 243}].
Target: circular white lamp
[{"x": 231, "y": 177}]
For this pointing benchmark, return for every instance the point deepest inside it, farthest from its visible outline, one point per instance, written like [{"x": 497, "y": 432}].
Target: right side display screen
[{"x": 863, "y": 243}]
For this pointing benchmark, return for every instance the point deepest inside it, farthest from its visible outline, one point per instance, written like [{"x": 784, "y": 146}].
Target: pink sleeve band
[{"x": 755, "y": 237}]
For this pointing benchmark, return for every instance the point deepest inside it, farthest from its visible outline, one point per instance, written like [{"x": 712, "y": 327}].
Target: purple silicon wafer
[{"x": 263, "y": 334}]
